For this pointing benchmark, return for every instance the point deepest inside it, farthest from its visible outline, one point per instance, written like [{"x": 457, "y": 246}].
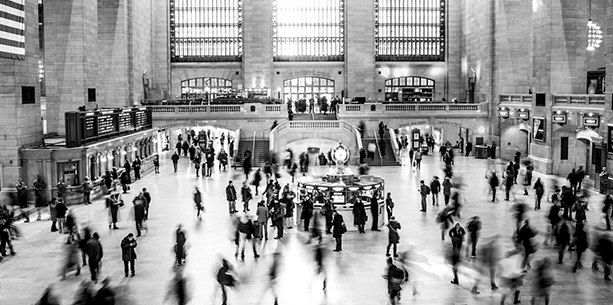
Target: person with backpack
[
  {"x": 396, "y": 277},
  {"x": 424, "y": 190},
  {"x": 394, "y": 237},
  {"x": 175, "y": 160},
  {"x": 417, "y": 157}
]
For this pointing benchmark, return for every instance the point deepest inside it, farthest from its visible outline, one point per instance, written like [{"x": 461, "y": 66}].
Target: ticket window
[{"x": 69, "y": 171}]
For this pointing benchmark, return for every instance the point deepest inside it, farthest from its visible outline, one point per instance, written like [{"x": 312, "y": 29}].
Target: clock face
[{"x": 340, "y": 154}]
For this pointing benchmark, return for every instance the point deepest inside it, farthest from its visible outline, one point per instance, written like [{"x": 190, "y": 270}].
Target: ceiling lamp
[{"x": 594, "y": 35}]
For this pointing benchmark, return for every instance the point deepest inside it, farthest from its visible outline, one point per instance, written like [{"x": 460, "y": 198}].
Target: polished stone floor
[{"x": 354, "y": 275}]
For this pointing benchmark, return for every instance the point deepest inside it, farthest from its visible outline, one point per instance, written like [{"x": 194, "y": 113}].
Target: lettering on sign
[
  {"x": 422, "y": 122},
  {"x": 256, "y": 121},
  {"x": 440, "y": 122},
  {"x": 309, "y": 73}
]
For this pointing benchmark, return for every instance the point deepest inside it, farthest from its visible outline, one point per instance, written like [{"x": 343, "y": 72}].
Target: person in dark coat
[
  {"x": 185, "y": 147},
  {"x": 394, "y": 237},
  {"x": 125, "y": 181},
  {"x": 474, "y": 227},
  {"x": 374, "y": 210},
  {"x": 85, "y": 294},
  {"x": 508, "y": 182},
  {"x": 338, "y": 229},
  {"x": 447, "y": 185},
  {"x": 95, "y": 254},
  {"x": 469, "y": 148},
  {"x": 139, "y": 212},
  {"x": 307, "y": 212},
  {"x": 359, "y": 214},
  {"x": 178, "y": 147},
  {"x": 539, "y": 190},
  {"x": 175, "y": 160},
  {"x": 156, "y": 164},
  {"x": 128, "y": 255},
  {"x": 87, "y": 235},
  {"x": 128, "y": 170},
  {"x": 457, "y": 235},
  {"x": 231, "y": 197},
  {"x": 49, "y": 297},
  {"x": 108, "y": 180},
  {"x": 106, "y": 294},
  {"x": 147, "y": 197},
  {"x": 192, "y": 152},
  {"x": 136, "y": 167},
  {"x": 580, "y": 242},
  {"x": 246, "y": 196},
  {"x": 112, "y": 203},
  {"x": 524, "y": 236},
  {"x": 435, "y": 188},
  {"x": 60, "y": 210},
  {"x": 247, "y": 167},
  {"x": 389, "y": 206},
  {"x": 604, "y": 249},
  {"x": 180, "y": 240}
]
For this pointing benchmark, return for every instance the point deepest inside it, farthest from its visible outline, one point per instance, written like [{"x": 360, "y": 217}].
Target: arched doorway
[
  {"x": 205, "y": 88},
  {"x": 308, "y": 87},
  {"x": 409, "y": 89}
]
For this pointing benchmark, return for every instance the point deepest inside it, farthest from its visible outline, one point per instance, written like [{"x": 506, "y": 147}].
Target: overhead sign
[
  {"x": 523, "y": 115},
  {"x": 560, "y": 118},
  {"x": 591, "y": 121}
]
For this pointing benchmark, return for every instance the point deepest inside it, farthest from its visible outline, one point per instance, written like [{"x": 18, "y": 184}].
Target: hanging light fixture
[{"x": 594, "y": 33}]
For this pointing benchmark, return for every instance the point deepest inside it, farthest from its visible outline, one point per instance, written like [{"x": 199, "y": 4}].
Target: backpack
[{"x": 427, "y": 190}]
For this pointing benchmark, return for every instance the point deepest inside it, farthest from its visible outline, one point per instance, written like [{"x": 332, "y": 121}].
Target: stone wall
[
  {"x": 257, "y": 44},
  {"x": 21, "y": 123},
  {"x": 140, "y": 45},
  {"x": 359, "y": 48},
  {"x": 113, "y": 81}
]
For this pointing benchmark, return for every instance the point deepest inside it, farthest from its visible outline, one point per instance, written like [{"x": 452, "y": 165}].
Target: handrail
[
  {"x": 378, "y": 150},
  {"x": 253, "y": 147},
  {"x": 238, "y": 136},
  {"x": 394, "y": 142}
]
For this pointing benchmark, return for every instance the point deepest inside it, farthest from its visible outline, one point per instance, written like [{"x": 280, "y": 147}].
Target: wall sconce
[
  {"x": 523, "y": 114},
  {"x": 560, "y": 117}
]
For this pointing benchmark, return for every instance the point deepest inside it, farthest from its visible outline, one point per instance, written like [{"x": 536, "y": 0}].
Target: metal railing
[
  {"x": 394, "y": 142},
  {"x": 378, "y": 150}
]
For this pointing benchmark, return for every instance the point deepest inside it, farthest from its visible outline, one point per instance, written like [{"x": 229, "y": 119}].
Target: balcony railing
[
  {"x": 516, "y": 99},
  {"x": 579, "y": 99}
]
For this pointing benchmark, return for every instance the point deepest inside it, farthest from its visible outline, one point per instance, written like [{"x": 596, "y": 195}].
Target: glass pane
[
  {"x": 315, "y": 89},
  {"x": 308, "y": 89},
  {"x": 330, "y": 82},
  {"x": 403, "y": 81},
  {"x": 309, "y": 81},
  {"x": 213, "y": 82},
  {"x": 301, "y": 81},
  {"x": 286, "y": 89},
  {"x": 294, "y": 89},
  {"x": 295, "y": 82},
  {"x": 395, "y": 82},
  {"x": 316, "y": 81},
  {"x": 286, "y": 83},
  {"x": 300, "y": 89}
]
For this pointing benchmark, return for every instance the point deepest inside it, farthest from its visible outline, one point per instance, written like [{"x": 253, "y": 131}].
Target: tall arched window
[
  {"x": 205, "y": 88},
  {"x": 409, "y": 89},
  {"x": 206, "y": 30},
  {"x": 410, "y": 30},
  {"x": 308, "y": 88},
  {"x": 308, "y": 30}
]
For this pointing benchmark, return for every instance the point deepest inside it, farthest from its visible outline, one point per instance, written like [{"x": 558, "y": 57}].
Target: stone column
[
  {"x": 257, "y": 44},
  {"x": 71, "y": 48},
  {"x": 559, "y": 63},
  {"x": 360, "y": 49},
  {"x": 608, "y": 119}
]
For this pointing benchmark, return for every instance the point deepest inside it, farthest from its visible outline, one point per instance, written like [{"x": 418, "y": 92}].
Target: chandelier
[{"x": 594, "y": 35}]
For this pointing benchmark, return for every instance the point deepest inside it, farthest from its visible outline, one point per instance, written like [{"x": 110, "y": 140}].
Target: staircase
[
  {"x": 303, "y": 117},
  {"x": 258, "y": 157},
  {"x": 388, "y": 160}
]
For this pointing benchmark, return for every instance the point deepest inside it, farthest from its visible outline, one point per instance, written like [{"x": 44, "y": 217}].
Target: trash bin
[{"x": 481, "y": 151}]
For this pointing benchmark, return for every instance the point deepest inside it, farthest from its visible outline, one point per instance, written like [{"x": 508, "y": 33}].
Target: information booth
[{"x": 340, "y": 185}]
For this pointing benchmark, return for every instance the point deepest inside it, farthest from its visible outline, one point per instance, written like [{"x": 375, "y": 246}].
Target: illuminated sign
[
  {"x": 503, "y": 112},
  {"x": 559, "y": 118},
  {"x": 591, "y": 121},
  {"x": 523, "y": 115}
]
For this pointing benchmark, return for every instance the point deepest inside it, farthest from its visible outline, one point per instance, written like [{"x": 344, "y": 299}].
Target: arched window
[
  {"x": 410, "y": 30},
  {"x": 308, "y": 88},
  {"x": 308, "y": 30},
  {"x": 409, "y": 89},
  {"x": 205, "y": 88}
]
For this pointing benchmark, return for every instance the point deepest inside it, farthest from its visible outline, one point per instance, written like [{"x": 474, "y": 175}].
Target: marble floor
[{"x": 354, "y": 275}]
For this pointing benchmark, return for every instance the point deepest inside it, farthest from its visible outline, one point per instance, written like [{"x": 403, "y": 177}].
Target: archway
[
  {"x": 308, "y": 87},
  {"x": 409, "y": 89}
]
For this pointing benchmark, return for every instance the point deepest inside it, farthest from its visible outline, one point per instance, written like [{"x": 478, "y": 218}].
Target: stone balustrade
[{"x": 579, "y": 100}]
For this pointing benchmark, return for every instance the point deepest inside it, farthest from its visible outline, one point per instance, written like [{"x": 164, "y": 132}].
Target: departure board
[
  {"x": 89, "y": 126},
  {"x": 106, "y": 124},
  {"x": 125, "y": 121}
]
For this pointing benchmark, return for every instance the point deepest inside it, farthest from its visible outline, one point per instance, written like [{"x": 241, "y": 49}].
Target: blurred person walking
[
  {"x": 231, "y": 197},
  {"x": 246, "y": 196},
  {"x": 179, "y": 247},
  {"x": 543, "y": 282},
  {"x": 396, "y": 277},
  {"x": 457, "y": 235},
  {"x": 198, "y": 202},
  {"x": 178, "y": 290},
  {"x": 94, "y": 253},
  {"x": 393, "y": 237}
]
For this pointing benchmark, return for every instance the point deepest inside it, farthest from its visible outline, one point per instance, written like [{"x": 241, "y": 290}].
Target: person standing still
[
  {"x": 86, "y": 186},
  {"x": 394, "y": 237},
  {"x": 474, "y": 227},
  {"x": 338, "y": 230},
  {"x": 374, "y": 210},
  {"x": 60, "y": 210},
  {"x": 435, "y": 188},
  {"x": 457, "y": 234},
  {"x": 231, "y": 197},
  {"x": 246, "y": 194},
  {"x": 147, "y": 197},
  {"x": 262, "y": 215},
  {"x": 198, "y": 202},
  {"x": 156, "y": 164},
  {"x": 447, "y": 190},
  {"x": 136, "y": 166},
  {"x": 128, "y": 255},
  {"x": 604, "y": 181},
  {"x": 389, "y": 206},
  {"x": 424, "y": 190}
]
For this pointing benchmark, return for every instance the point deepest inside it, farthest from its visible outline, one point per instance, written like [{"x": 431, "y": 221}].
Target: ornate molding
[
  {"x": 309, "y": 65},
  {"x": 408, "y": 64},
  {"x": 206, "y": 65}
]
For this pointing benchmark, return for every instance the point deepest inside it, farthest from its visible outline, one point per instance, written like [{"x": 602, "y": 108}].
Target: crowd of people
[{"x": 282, "y": 208}]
